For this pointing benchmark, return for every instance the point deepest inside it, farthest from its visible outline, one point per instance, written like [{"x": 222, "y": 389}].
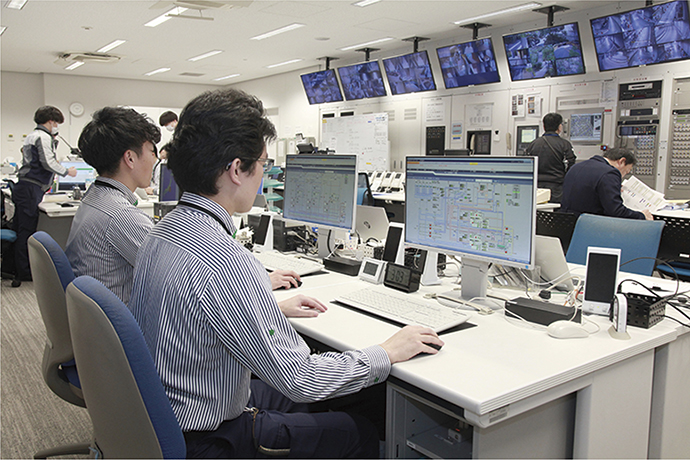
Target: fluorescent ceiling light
[
  {"x": 364, "y": 3},
  {"x": 278, "y": 31},
  {"x": 226, "y": 77},
  {"x": 514, "y": 9},
  {"x": 16, "y": 4},
  {"x": 362, "y": 45},
  {"x": 283, "y": 63},
  {"x": 74, "y": 65},
  {"x": 165, "y": 16},
  {"x": 2, "y": 29},
  {"x": 205, "y": 55},
  {"x": 154, "y": 72},
  {"x": 111, "y": 46}
]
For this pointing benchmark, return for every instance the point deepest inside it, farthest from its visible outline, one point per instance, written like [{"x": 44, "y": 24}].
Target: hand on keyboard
[
  {"x": 411, "y": 341},
  {"x": 301, "y": 306},
  {"x": 285, "y": 279}
]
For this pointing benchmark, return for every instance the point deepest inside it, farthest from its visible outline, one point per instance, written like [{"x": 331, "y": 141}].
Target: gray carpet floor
[{"x": 32, "y": 417}]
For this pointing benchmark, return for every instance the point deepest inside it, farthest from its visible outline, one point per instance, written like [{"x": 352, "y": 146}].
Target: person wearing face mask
[
  {"x": 168, "y": 120},
  {"x": 39, "y": 166}
]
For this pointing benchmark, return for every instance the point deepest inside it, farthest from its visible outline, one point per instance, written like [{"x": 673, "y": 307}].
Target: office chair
[
  {"x": 635, "y": 238},
  {"x": 675, "y": 247},
  {"x": 364, "y": 195},
  {"x": 131, "y": 414},
  {"x": 557, "y": 224},
  {"x": 52, "y": 272}
]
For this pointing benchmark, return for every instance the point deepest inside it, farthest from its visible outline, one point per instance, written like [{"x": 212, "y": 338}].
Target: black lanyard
[
  {"x": 206, "y": 211},
  {"x": 106, "y": 184}
]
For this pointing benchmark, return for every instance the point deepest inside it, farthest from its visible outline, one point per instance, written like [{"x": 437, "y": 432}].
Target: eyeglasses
[{"x": 266, "y": 163}]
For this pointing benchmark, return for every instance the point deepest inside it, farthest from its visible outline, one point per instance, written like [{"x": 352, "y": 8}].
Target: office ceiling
[{"x": 42, "y": 30}]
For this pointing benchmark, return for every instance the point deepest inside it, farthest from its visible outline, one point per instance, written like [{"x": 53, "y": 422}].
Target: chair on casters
[
  {"x": 674, "y": 248},
  {"x": 52, "y": 272},
  {"x": 635, "y": 238},
  {"x": 130, "y": 411},
  {"x": 558, "y": 224}
]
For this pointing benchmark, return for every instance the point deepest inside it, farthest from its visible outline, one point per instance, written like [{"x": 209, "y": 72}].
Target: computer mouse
[
  {"x": 67, "y": 205},
  {"x": 567, "y": 330},
  {"x": 299, "y": 283}
]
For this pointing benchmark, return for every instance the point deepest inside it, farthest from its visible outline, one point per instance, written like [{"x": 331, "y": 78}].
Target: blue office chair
[
  {"x": 131, "y": 414},
  {"x": 52, "y": 272},
  {"x": 635, "y": 238}
]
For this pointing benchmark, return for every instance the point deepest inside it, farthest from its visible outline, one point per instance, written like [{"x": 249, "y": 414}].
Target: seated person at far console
[
  {"x": 211, "y": 329},
  {"x": 594, "y": 186},
  {"x": 152, "y": 189}
]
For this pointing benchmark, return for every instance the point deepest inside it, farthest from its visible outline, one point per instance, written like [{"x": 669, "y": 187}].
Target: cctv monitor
[
  {"x": 651, "y": 35},
  {"x": 550, "y": 52},
  {"x": 85, "y": 174},
  {"x": 168, "y": 190},
  {"x": 410, "y": 73},
  {"x": 480, "y": 208},
  {"x": 362, "y": 81},
  {"x": 322, "y": 87},
  {"x": 467, "y": 64},
  {"x": 586, "y": 127}
]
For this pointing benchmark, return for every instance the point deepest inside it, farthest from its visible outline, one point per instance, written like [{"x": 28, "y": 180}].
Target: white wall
[{"x": 21, "y": 95}]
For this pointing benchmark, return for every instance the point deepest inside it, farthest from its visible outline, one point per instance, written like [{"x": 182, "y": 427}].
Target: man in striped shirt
[
  {"x": 206, "y": 309},
  {"x": 108, "y": 228}
]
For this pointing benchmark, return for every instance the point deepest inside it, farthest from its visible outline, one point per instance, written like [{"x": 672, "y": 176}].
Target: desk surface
[
  {"x": 484, "y": 368},
  {"x": 55, "y": 209}
]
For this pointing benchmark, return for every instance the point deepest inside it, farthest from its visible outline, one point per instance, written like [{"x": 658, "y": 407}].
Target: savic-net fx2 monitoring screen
[
  {"x": 480, "y": 207},
  {"x": 321, "y": 190}
]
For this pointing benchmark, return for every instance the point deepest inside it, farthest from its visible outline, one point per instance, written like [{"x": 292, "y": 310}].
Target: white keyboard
[
  {"x": 403, "y": 308},
  {"x": 278, "y": 261}
]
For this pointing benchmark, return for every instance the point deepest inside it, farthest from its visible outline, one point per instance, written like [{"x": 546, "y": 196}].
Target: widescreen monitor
[
  {"x": 85, "y": 174},
  {"x": 410, "y": 73},
  {"x": 322, "y": 87},
  {"x": 362, "y": 81},
  {"x": 551, "y": 52},
  {"x": 168, "y": 190},
  {"x": 321, "y": 190},
  {"x": 651, "y": 35},
  {"x": 470, "y": 63},
  {"x": 481, "y": 208},
  {"x": 586, "y": 127}
]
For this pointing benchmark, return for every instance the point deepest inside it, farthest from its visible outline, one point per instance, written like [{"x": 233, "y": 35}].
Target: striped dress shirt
[
  {"x": 106, "y": 233},
  {"x": 210, "y": 319}
]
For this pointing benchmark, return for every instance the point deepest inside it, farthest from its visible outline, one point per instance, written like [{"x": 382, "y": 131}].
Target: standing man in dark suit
[{"x": 555, "y": 154}]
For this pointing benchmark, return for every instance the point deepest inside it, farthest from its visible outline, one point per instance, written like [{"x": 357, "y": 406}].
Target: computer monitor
[
  {"x": 322, "y": 87},
  {"x": 470, "y": 63},
  {"x": 481, "y": 208},
  {"x": 410, "y": 73},
  {"x": 85, "y": 174},
  {"x": 321, "y": 190},
  {"x": 168, "y": 190},
  {"x": 525, "y": 136},
  {"x": 586, "y": 127},
  {"x": 362, "y": 81}
]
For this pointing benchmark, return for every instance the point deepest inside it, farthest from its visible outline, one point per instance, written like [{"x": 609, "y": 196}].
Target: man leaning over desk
[
  {"x": 212, "y": 321},
  {"x": 594, "y": 186}
]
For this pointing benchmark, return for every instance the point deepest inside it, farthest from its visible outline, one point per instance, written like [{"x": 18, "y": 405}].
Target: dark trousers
[
  {"x": 26, "y": 197},
  {"x": 556, "y": 190},
  {"x": 282, "y": 428}
]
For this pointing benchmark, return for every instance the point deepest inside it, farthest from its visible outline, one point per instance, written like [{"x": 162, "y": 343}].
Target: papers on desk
[{"x": 638, "y": 196}]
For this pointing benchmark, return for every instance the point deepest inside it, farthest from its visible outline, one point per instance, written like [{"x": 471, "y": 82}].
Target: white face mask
[
  {"x": 55, "y": 130},
  {"x": 170, "y": 128}
]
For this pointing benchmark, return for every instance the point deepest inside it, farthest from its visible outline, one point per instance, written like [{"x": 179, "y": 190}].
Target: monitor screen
[
  {"x": 651, "y": 35},
  {"x": 551, "y": 52},
  {"x": 477, "y": 207},
  {"x": 167, "y": 188},
  {"x": 586, "y": 127},
  {"x": 410, "y": 73},
  {"x": 528, "y": 134},
  {"x": 85, "y": 174},
  {"x": 362, "y": 81},
  {"x": 322, "y": 87},
  {"x": 471, "y": 63},
  {"x": 321, "y": 190}
]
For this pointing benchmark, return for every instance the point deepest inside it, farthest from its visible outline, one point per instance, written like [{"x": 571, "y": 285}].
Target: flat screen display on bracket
[{"x": 470, "y": 63}]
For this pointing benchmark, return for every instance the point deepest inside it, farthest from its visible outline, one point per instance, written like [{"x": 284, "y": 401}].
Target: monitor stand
[
  {"x": 474, "y": 279},
  {"x": 430, "y": 273}
]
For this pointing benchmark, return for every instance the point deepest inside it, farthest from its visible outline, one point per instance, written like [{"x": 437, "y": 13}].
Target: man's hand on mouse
[
  {"x": 409, "y": 342},
  {"x": 285, "y": 279}
]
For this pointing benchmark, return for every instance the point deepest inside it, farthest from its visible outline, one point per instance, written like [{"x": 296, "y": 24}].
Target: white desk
[{"x": 524, "y": 393}]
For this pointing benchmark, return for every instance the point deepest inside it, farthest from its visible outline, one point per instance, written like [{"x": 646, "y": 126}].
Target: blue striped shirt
[
  {"x": 106, "y": 233},
  {"x": 210, "y": 319}
]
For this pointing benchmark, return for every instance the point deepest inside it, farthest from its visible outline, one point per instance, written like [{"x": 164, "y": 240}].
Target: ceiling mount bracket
[
  {"x": 328, "y": 60},
  {"x": 550, "y": 11},
  {"x": 367, "y": 52},
  {"x": 415, "y": 42},
  {"x": 475, "y": 26}
]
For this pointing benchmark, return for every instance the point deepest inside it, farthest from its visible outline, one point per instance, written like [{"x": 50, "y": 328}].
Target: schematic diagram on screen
[{"x": 322, "y": 198}]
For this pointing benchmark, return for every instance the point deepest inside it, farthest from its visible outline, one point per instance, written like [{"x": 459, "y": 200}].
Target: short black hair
[
  {"x": 618, "y": 153},
  {"x": 214, "y": 129},
  {"x": 48, "y": 113},
  {"x": 111, "y": 132},
  {"x": 167, "y": 117},
  {"x": 552, "y": 121}
]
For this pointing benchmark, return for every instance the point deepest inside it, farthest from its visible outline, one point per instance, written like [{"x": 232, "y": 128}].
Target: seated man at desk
[
  {"x": 108, "y": 228},
  {"x": 594, "y": 186},
  {"x": 212, "y": 328}
]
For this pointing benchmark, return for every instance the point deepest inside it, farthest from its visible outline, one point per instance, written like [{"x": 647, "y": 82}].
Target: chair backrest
[
  {"x": 364, "y": 195},
  {"x": 130, "y": 412},
  {"x": 557, "y": 224},
  {"x": 51, "y": 273},
  {"x": 635, "y": 238},
  {"x": 675, "y": 239}
]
